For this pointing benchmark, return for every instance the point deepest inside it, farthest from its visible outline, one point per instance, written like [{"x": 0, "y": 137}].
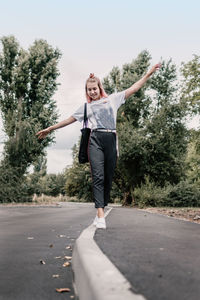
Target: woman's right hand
[
  {"x": 43, "y": 133},
  {"x": 154, "y": 69}
]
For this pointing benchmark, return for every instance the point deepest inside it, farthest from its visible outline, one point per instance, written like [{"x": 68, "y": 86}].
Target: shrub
[
  {"x": 184, "y": 194},
  {"x": 13, "y": 188},
  {"x": 149, "y": 194}
]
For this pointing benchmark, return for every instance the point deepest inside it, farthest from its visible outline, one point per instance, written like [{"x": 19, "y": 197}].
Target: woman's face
[{"x": 93, "y": 90}]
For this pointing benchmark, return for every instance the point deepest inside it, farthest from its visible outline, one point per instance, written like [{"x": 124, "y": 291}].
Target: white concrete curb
[{"x": 95, "y": 277}]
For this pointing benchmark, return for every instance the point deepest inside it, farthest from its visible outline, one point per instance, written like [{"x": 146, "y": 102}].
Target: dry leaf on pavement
[
  {"x": 67, "y": 257},
  {"x": 66, "y": 264},
  {"x": 42, "y": 262},
  {"x": 68, "y": 247},
  {"x": 61, "y": 290}
]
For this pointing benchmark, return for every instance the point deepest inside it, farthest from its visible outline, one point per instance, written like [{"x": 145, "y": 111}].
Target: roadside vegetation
[{"x": 159, "y": 161}]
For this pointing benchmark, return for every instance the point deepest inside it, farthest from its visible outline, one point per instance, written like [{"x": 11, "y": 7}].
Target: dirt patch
[{"x": 183, "y": 213}]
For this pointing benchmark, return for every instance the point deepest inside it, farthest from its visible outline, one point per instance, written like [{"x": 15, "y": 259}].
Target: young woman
[{"x": 102, "y": 114}]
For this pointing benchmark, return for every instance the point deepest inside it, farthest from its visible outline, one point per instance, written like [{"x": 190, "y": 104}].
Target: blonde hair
[{"x": 93, "y": 78}]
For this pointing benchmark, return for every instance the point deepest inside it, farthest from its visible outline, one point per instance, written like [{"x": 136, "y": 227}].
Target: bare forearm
[
  {"x": 43, "y": 133},
  {"x": 63, "y": 123},
  {"x": 137, "y": 85}
]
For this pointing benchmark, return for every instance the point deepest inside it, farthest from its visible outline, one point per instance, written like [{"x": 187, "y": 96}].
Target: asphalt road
[
  {"x": 160, "y": 256},
  {"x": 31, "y": 234}
]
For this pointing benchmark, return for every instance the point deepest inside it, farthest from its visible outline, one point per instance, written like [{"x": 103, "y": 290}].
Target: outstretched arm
[
  {"x": 137, "y": 85},
  {"x": 43, "y": 133}
]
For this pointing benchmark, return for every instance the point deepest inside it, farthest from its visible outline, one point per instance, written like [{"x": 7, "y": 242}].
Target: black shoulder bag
[{"x": 85, "y": 134}]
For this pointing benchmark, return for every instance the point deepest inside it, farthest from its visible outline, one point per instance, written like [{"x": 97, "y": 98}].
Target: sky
[{"x": 93, "y": 36}]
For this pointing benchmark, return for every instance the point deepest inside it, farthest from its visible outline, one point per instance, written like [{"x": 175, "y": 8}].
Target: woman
[{"x": 102, "y": 114}]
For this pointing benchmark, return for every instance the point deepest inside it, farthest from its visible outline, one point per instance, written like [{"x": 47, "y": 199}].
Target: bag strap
[{"x": 85, "y": 119}]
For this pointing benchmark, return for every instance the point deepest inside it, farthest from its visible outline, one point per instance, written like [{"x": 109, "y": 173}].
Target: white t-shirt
[{"x": 102, "y": 113}]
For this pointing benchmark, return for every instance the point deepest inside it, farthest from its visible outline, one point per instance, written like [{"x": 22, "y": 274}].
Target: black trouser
[{"x": 102, "y": 156}]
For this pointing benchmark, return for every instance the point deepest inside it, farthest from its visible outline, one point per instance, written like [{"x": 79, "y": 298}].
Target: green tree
[
  {"x": 40, "y": 165},
  {"x": 53, "y": 184},
  {"x": 193, "y": 158},
  {"x": 78, "y": 178},
  {"x": 39, "y": 171},
  {"x": 191, "y": 84},
  {"x": 152, "y": 136},
  {"x": 27, "y": 84}
]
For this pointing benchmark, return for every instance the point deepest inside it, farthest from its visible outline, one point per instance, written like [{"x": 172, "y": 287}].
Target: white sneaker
[
  {"x": 101, "y": 223},
  {"x": 95, "y": 221}
]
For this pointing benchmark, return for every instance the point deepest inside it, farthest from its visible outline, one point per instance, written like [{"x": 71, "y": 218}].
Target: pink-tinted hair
[{"x": 93, "y": 78}]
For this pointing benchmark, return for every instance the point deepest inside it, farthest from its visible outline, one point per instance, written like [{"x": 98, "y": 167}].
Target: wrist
[
  {"x": 50, "y": 128},
  {"x": 149, "y": 74}
]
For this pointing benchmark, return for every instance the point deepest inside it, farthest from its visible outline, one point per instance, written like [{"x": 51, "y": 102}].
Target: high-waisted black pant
[{"x": 102, "y": 156}]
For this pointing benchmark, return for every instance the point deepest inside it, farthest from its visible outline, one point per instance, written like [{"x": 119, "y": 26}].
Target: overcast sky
[{"x": 94, "y": 36}]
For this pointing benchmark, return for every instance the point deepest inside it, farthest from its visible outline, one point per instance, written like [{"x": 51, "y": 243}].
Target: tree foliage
[
  {"x": 183, "y": 194},
  {"x": 35, "y": 179},
  {"x": 13, "y": 188},
  {"x": 79, "y": 181},
  {"x": 53, "y": 184},
  {"x": 151, "y": 132},
  {"x": 152, "y": 136},
  {"x": 27, "y": 84},
  {"x": 191, "y": 84},
  {"x": 193, "y": 158}
]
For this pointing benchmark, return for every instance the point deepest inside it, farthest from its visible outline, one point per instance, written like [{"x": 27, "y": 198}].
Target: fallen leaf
[
  {"x": 68, "y": 257},
  {"x": 51, "y": 245},
  {"x": 66, "y": 264},
  {"x": 42, "y": 262},
  {"x": 58, "y": 257},
  {"x": 55, "y": 276},
  {"x": 61, "y": 290}
]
